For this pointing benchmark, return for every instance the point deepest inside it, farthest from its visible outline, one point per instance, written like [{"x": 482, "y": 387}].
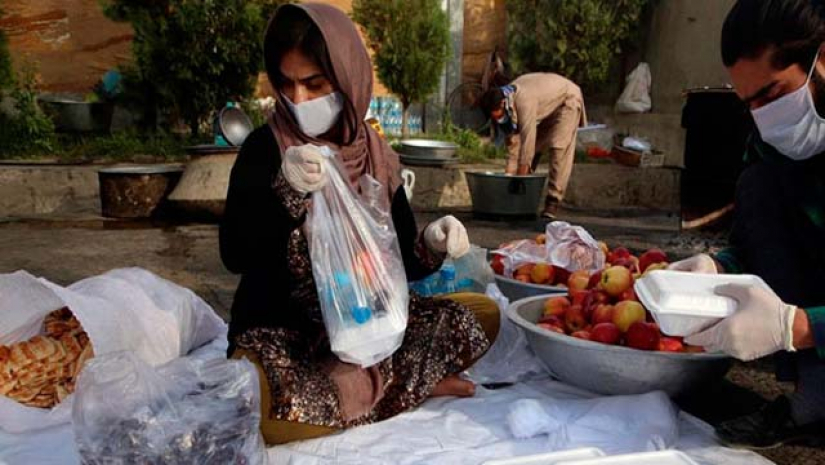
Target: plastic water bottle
[
  {"x": 447, "y": 282},
  {"x": 348, "y": 301},
  {"x": 429, "y": 285}
]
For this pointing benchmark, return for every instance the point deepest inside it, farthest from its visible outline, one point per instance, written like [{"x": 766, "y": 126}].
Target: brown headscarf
[{"x": 363, "y": 150}]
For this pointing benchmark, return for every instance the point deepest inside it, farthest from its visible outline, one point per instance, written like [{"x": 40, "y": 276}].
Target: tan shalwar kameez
[{"x": 547, "y": 109}]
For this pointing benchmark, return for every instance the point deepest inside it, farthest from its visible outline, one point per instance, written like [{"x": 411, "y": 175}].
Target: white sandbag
[{"x": 126, "y": 309}]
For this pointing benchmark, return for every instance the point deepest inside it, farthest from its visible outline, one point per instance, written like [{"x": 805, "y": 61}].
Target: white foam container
[
  {"x": 667, "y": 457},
  {"x": 551, "y": 458},
  {"x": 685, "y": 303}
]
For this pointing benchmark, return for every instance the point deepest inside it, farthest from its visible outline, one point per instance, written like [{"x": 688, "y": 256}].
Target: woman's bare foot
[{"x": 453, "y": 385}]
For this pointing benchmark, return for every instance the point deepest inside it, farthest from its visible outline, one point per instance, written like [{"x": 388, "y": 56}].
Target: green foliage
[
  {"x": 190, "y": 57},
  {"x": 575, "y": 38},
  {"x": 124, "y": 146},
  {"x": 6, "y": 70},
  {"x": 25, "y": 129},
  {"x": 471, "y": 147},
  {"x": 411, "y": 40}
]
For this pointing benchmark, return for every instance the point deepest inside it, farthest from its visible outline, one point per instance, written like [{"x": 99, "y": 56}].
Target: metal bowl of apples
[{"x": 583, "y": 347}]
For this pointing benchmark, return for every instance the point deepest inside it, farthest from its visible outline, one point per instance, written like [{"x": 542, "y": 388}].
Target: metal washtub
[{"x": 501, "y": 196}]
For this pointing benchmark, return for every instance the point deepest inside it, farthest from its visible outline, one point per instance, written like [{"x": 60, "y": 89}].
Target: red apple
[
  {"x": 594, "y": 280},
  {"x": 577, "y": 297},
  {"x": 550, "y": 327},
  {"x": 551, "y": 320},
  {"x": 574, "y": 319},
  {"x": 629, "y": 294},
  {"x": 606, "y": 333},
  {"x": 643, "y": 336},
  {"x": 603, "y": 313},
  {"x": 631, "y": 263},
  {"x": 556, "y": 306},
  {"x": 542, "y": 273},
  {"x": 616, "y": 280},
  {"x": 525, "y": 278},
  {"x": 595, "y": 297},
  {"x": 626, "y": 313},
  {"x": 617, "y": 253},
  {"x": 497, "y": 264},
  {"x": 670, "y": 344},
  {"x": 650, "y": 257},
  {"x": 560, "y": 275},
  {"x": 582, "y": 335},
  {"x": 525, "y": 269},
  {"x": 578, "y": 280}
]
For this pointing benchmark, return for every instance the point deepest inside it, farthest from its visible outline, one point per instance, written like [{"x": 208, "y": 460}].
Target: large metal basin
[
  {"x": 500, "y": 196},
  {"x": 432, "y": 149},
  {"x": 515, "y": 290},
  {"x": 613, "y": 370},
  {"x": 136, "y": 191}
]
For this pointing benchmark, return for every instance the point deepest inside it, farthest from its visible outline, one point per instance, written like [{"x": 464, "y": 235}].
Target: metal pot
[
  {"x": 432, "y": 149},
  {"x": 613, "y": 370},
  {"x": 501, "y": 196},
  {"x": 75, "y": 115}
]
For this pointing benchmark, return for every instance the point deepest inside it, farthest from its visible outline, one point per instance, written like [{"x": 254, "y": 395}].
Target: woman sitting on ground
[{"x": 322, "y": 74}]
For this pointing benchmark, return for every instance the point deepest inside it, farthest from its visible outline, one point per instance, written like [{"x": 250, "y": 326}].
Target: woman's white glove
[
  {"x": 303, "y": 169},
  {"x": 701, "y": 263},
  {"x": 447, "y": 235},
  {"x": 762, "y": 325}
]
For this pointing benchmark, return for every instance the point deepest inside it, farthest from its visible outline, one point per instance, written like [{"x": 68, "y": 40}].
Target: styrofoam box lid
[
  {"x": 551, "y": 458},
  {"x": 668, "y": 457},
  {"x": 691, "y": 294}
]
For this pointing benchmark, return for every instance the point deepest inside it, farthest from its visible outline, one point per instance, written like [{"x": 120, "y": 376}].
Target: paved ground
[{"x": 65, "y": 250}]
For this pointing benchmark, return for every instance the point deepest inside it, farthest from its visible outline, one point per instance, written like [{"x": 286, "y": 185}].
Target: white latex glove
[
  {"x": 303, "y": 168},
  {"x": 701, "y": 263},
  {"x": 447, "y": 235},
  {"x": 762, "y": 325}
]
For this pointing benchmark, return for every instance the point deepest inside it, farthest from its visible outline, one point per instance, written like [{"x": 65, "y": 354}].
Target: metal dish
[
  {"x": 497, "y": 195},
  {"x": 515, "y": 290},
  {"x": 234, "y": 125},
  {"x": 426, "y": 161},
  {"x": 432, "y": 149},
  {"x": 210, "y": 149},
  {"x": 73, "y": 114},
  {"x": 612, "y": 370}
]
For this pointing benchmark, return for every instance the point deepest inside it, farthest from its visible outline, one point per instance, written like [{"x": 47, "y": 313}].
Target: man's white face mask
[
  {"x": 791, "y": 123},
  {"x": 317, "y": 116}
]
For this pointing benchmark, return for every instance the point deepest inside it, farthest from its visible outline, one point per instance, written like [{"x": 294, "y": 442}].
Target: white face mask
[
  {"x": 791, "y": 123},
  {"x": 317, "y": 116}
]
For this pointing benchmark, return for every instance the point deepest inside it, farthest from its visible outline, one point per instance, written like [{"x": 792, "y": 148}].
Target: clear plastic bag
[
  {"x": 358, "y": 269},
  {"x": 183, "y": 412},
  {"x": 636, "y": 95}
]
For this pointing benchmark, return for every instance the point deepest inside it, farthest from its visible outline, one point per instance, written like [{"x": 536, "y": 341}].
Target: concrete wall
[
  {"x": 683, "y": 49},
  {"x": 485, "y": 26}
]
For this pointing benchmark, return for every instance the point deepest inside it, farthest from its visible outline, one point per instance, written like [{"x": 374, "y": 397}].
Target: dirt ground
[{"x": 65, "y": 250}]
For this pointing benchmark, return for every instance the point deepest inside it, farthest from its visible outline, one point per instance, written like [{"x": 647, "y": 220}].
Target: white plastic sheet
[
  {"x": 126, "y": 309},
  {"x": 572, "y": 248}
]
